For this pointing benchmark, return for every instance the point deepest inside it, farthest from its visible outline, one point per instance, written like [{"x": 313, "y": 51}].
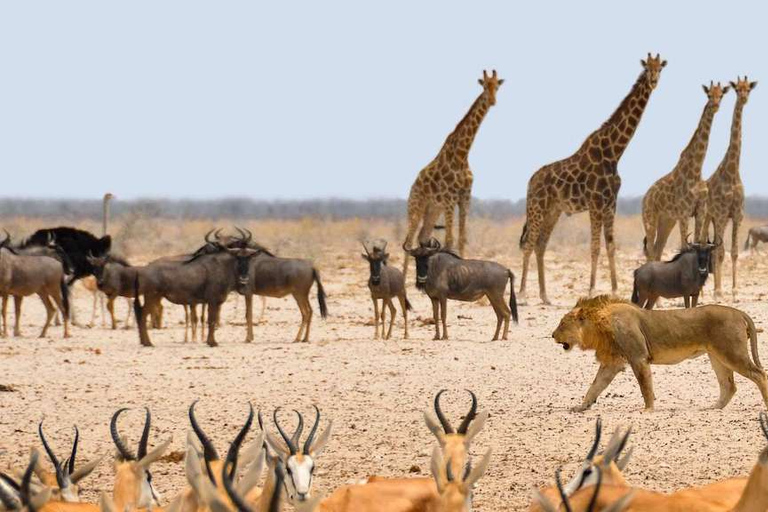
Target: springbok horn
[
  {"x": 208, "y": 236},
  {"x": 209, "y": 452},
  {"x": 73, "y": 454},
  {"x": 593, "y": 500},
  {"x": 296, "y": 437},
  {"x": 125, "y": 453},
  {"x": 470, "y": 415},
  {"x": 288, "y": 442},
  {"x": 60, "y": 480},
  {"x": 144, "y": 435},
  {"x": 311, "y": 437},
  {"x": 595, "y": 445},
  {"x": 7, "y": 499},
  {"x": 238, "y": 442},
  {"x": 764, "y": 424},
  {"x": 27, "y": 479},
  {"x": 439, "y": 412},
  {"x": 563, "y": 495}
]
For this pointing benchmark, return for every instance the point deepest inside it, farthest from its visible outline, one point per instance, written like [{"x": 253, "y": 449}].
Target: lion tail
[{"x": 752, "y": 331}]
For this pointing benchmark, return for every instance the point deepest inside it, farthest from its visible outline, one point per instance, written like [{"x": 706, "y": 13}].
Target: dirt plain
[{"x": 376, "y": 391}]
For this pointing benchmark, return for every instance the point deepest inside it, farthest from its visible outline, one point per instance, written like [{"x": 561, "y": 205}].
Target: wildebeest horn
[
  {"x": 288, "y": 441},
  {"x": 125, "y": 453},
  {"x": 217, "y": 234},
  {"x": 311, "y": 437},
  {"x": 237, "y": 443},
  {"x": 764, "y": 423},
  {"x": 209, "y": 452},
  {"x": 61, "y": 481},
  {"x": 242, "y": 233},
  {"x": 598, "y": 432},
  {"x": 144, "y": 435},
  {"x": 434, "y": 243},
  {"x": 447, "y": 428},
  {"x": 470, "y": 415},
  {"x": 208, "y": 236},
  {"x": 365, "y": 246}
]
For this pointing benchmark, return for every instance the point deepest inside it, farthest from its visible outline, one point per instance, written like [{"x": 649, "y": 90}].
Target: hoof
[
  {"x": 579, "y": 408},
  {"x": 147, "y": 344},
  {"x": 212, "y": 344}
]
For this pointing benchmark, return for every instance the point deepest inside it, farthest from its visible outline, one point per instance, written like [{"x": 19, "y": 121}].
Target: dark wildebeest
[
  {"x": 385, "y": 283},
  {"x": 682, "y": 276},
  {"x": 444, "y": 275},
  {"x": 76, "y": 244},
  {"x": 272, "y": 276},
  {"x": 204, "y": 279},
  {"x": 26, "y": 274},
  {"x": 115, "y": 277},
  {"x": 756, "y": 234}
]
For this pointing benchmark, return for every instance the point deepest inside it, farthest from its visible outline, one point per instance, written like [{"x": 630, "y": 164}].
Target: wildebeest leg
[
  {"x": 17, "y": 310},
  {"x": 449, "y": 211},
  {"x": 186, "y": 323},
  {"x": 404, "y": 308},
  {"x": 49, "y": 312},
  {"x": 687, "y": 301},
  {"x": 651, "y": 302},
  {"x": 392, "y": 314},
  {"x": 725, "y": 380},
  {"x": 499, "y": 317},
  {"x": 695, "y": 299},
  {"x": 505, "y": 312},
  {"x": 128, "y": 316},
  {"x": 60, "y": 304},
  {"x": 150, "y": 305},
  {"x": 605, "y": 375},
  {"x": 4, "y": 332},
  {"x": 642, "y": 371},
  {"x": 111, "y": 309},
  {"x": 203, "y": 320},
  {"x": 248, "y": 317},
  {"x": 375, "y": 318},
  {"x": 444, "y": 316},
  {"x": 382, "y": 318},
  {"x": 436, "y": 317},
  {"x": 308, "y": 309},
  {"x": 214, "y": 309},
  {"x": 193, "y": 320}
]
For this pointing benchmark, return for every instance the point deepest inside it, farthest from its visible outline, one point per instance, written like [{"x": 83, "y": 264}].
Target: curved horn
[
  {"x": 209, "y": 452},
  {"x": 296, "y": 437},
  {"x": 243, "y": 235},
  {"x": 238, "y": 442},
  {"x": 434, "y": 242},
  {"x": 27, "y": 479},
  {"x": 405, "y": 248},
  {"x": 384, "y": 247},
  {"x": 125, "y": 453},
  {"x": 439, "y": 412},
  {"x": 593, "y": 500},
  {"x": 311, "y": 437},
  {"x": 250, "y": 236},
  {"x": 208, "y": 236},
  {"x": 288, "y": 441},
  {"x": 470, "y": 415},
  {"x": 73, "y": 454},
  {"x": 60, "y": 480},
  {"x": 365, "y": 247},
  {"x": 144, "y": 435},
  {"x": 217, "y": 233},
  {"x": 598, "y": 432},
  {"x": 563, "y": 495}
]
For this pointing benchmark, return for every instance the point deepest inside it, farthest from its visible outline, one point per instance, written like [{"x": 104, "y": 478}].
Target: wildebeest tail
[
  {"x": 320, "y": 294},
  {"x": 524, "y": 234},
  {"x": 138, "y": 310},
  {"x": 635, "y": 291},
  {"x": 512, "y": 296},
  {"x": 64, "y": 296},
  {"x": 752, "y": 332},
  {"x": 408, "y": 306}
]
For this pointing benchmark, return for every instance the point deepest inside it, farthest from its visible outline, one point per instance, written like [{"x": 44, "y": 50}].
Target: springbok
[
  {"x": 23, "y": 499},
  {"x": 385, "y": 284},
  {"x": 133, "y": 482},
  {"x": 299, "y": 461},
  {"x": 590, "y": 500},
  {"x": 64, "y": 481}
]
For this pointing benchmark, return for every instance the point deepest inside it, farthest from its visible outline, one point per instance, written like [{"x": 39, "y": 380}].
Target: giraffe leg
[
  {"x": 463, "y": 210},
  {"x": 430, "y": 218},
  {"x": 610, "y": 248},
  {"x": 415, "y": 214},
  {"x": 719, "y": 256},
  {"x": 528, "y": 240},
  {"x": 449, "y": 226},
  {"x": 650, "y": 221},
  {"x": 684, "y": 233},
  {"x": 541, "y": 248},
  {"x": 735, "y": 251},
  {"x": 596, "y": 225},
  {"x": 665, "y": 227}
]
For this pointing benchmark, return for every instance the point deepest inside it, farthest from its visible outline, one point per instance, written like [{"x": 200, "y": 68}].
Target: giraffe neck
[
  {"x": 733, "y": 154},
  {"x": 696, "y": 149},
  {"x": 461, "y": 139},
  {"x": 618, "y": 130}
]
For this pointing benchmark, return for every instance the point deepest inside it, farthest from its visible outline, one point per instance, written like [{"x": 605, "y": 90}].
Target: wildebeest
[
  {"x": 272, "y": 276},
  {"x": 115, "y": 277},
  {"x": 77, "y": 244},
  {"x": 682, "y": 276},
  {"x": 385, "y": 282},
  {"x": 756, "y": 234},
  {"x": 444, "y": 275},
  {"x": 204, "y": 279},
  {"x": 24, "y": 274}
]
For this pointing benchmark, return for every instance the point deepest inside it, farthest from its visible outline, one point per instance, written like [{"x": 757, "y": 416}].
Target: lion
[{"x": 620, "y": 332}]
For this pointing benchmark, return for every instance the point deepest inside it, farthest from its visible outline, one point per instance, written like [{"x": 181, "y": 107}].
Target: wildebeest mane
[{"x": 682, "y": 252}]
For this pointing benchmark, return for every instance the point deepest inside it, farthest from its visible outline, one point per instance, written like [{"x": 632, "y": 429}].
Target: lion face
[{"x": 569, "y": 332}]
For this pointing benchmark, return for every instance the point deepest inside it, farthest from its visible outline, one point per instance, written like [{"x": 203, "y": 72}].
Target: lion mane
[{"x": 598, "y": 334}]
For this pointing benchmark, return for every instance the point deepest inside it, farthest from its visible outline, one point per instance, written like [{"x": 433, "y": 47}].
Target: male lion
[{"x": 621, "y": 333}]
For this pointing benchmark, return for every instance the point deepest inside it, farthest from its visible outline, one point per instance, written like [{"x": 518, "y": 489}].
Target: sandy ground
[{"x": 376, "y": 391}]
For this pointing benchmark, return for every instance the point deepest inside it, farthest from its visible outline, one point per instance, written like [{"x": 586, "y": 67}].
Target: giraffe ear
[
  {"x": 642, "y": 63},
  {"x": 706, "y": 89},
  {"x": 732, "y": 85},
  {"x": 480, "y": 81},
  {"x": 663, "y": 63},
  {"x": 752, "y": 85},
  {"x": 501, "y": 81},
  {"x": 726, "y": 89}
]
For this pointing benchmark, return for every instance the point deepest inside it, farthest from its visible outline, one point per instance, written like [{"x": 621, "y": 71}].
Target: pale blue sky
[{"x": 351, "y": 99}]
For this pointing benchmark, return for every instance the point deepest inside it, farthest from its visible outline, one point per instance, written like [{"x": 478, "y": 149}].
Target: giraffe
[
  {"x": 588, "y": 180},
  {"x": 675, "y": 196},
  {"x": 447, "y": 181},
  {"x": 725, "y": 198}
]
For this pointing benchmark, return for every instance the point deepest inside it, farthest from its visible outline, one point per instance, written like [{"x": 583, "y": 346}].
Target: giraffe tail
[
  {"x": 746, "y": 244},
  {"x": 524, "y": 235}
]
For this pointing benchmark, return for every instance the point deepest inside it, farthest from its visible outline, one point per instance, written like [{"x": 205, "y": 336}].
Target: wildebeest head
[
  {"x": 242, "y": 263},
  {"x": 422, "y": 253},
  {"x": 376, "y": 257},
  {"x": 97, "y": 262}
]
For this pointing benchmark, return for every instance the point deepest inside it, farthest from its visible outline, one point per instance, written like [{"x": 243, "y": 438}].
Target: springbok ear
[
  {"x": 209, "y": 495},
  {"x": 433, "y": 427},
  {"x": 192, "y": 466},
  {"x": 155, "y": 454},
  {"x": 39, "y": 500},
  {"x": 176, "y": 504},
  {"x": 624, "y": 459},
  {"x": 252, "y": 474},
  {"x": 543, "y": 501},
  {"x": 438, "y": 468},
  {"x": 476, "y": 426},
  {"x": 252, "y": 452},
  {"x": 479, "y": 470},
  {"x": 105, "y": 503},
  {"x": 194, "y": 442},
  {"x": 85, "y": 470},
  {"x": 322, "y": 440},
  {"x": 276, "y": 445}
]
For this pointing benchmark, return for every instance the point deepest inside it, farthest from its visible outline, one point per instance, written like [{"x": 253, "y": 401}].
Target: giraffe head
[
  {"x": 653, "y": 66},
  {"x": 715, "y": 93},
  {"x": 490, "y": 85},
  {"x": 743, "y": 88}
]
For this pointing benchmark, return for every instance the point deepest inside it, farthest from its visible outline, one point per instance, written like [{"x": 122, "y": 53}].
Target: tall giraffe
[
  {"x": 588, "y": 180},
  {"x": 675, "y": 196},
  {"x": 725, "y": 198},
  {"x": 447, "y": 181}
]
